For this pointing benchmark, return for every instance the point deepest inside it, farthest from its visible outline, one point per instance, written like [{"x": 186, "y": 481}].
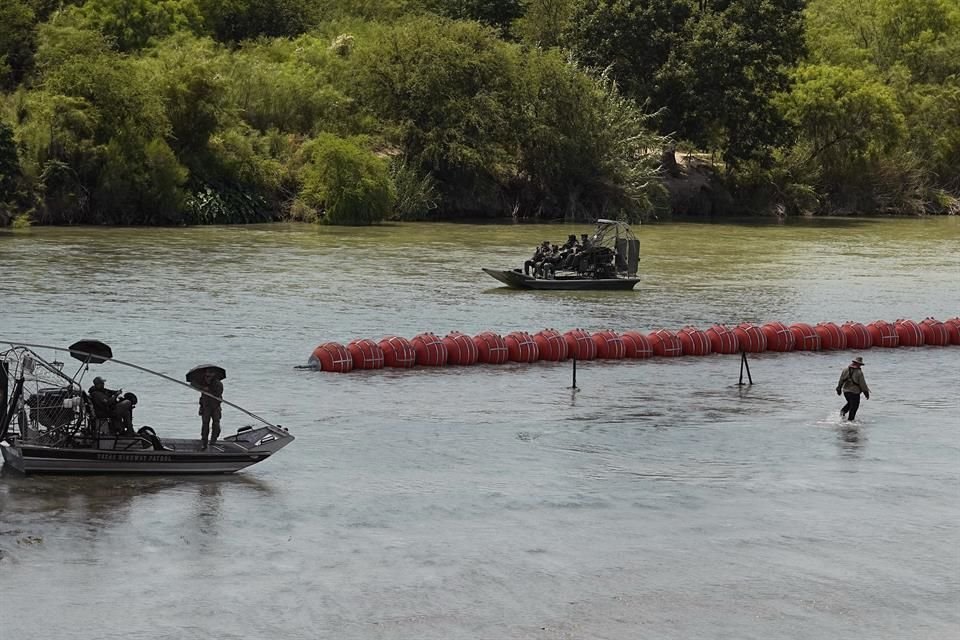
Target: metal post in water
[
  {"x": 574, "y": 385},
  {"x": 744, "y": 364}
]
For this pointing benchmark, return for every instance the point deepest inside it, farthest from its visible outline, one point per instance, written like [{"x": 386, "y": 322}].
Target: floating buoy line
[{"x": 459, "y": 349}]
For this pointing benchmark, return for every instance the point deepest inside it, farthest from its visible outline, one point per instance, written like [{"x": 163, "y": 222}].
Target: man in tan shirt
[{"x": 852, "y": 384}]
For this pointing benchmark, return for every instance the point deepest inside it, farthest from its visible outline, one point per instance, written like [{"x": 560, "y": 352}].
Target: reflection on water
[{"x": 496, "y": 501}]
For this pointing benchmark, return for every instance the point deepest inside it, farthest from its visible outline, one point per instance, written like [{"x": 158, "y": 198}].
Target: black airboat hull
[
  {"x": 181, "y": 457},
  {"x": 519, "y": 280}
]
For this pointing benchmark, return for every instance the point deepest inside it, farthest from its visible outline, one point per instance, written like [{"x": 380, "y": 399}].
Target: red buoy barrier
[
  {"x": 857, "y": 335},
  {"x": 750, "y": 338},
  {"x": 609, "y": 345},
  {"x": 722, "y": 340},
  {"x": 804, "y": 337},
  {"x": 934, "y": 332},
  {"x": 665, "y": 343},
  {"x": 491, "y": 349},
  {"x": 551, "y": 345},
  {"x": 953, "y": 329},
  {"x": 779, "y": 337},
  {"x": 366, "y": 354},
  {"x": 636, "y": 345},
  {"x": 883, "y": 334},
  {"x": 521, "y": 347},
  {"x": 909, "y": 333},
  {"x": 430, "y": 350},
  {"x": 398, "y": 352},
  {"x": 694, "y": 342},
  {"x": 461, "y": 350},
  {"x": 580, "y": 344},
  {"x": 333, "y": 357},
  {"x": 831, "y": 337}
]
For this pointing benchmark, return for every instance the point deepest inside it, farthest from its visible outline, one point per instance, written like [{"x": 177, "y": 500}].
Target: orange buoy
[
  {"x": 694, "y": 342},
  {"x": 636, "y": 345},
  {"x": 883, "y": 334},
  {"x": 857, "y": 335},
  {"x": 366, "y": 354},
  {"x": 750, "y": 338},
  {"x": 398, "y": 352},
  {"x": 521, "y": 347},
  {"x": 779, "y": 337},
  {"x": 333, "y": 357},
  {"x": 665, "y": 343},
  {"x": 461, "y": 349},
  {"x": 609, "y": 345},
  {"x": 551, "y": 345},
  {"x": 430, "y": 350},
  {"x": 934, "y": 332},
  {"x": 953, "y": 329},
  {"x": 722, "y": 340},
  {"x": 831, "y": 337},
  {"x": 491, "y": 349},
  {"x": 580, "y": 344},
  {"x": 804, "y": 337},
  {"x": 909, "y": 333}
]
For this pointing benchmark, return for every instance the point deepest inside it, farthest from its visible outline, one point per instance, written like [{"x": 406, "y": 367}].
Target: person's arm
[{"x": 863, "y": 386}]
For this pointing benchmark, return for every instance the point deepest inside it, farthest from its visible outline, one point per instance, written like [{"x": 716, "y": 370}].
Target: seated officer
[
  {"x": 110, "y": 405},
  {"x": 538, "y": 255}
]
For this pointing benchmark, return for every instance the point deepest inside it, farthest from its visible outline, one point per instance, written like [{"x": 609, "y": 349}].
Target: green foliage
[
  {"x": 9, "y": 174},
  {"x": 544, "y": 22},
  {"x": 236, "y": 20},
  {"x": 494, "y": 13},
  {"x": 133, "y": 24},
  {"x": 416, "y": 192},
  {"x": 448, "y": 88},
  {"x": 587, "y": 151},
  {"x": 714, "y": 66},
  {"x": 17, "y": 41},
  {"x": 843, "y": 115},
  {"x": 345, "y": 182}
]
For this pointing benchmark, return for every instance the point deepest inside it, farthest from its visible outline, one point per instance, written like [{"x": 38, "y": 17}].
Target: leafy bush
[{"x": 345, "y": 182}]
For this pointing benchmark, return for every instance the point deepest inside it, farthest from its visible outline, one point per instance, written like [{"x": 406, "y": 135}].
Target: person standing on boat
[
  {"x": 109, "y": 404},
  {"x": 210, "y": 408},
  {"x": 851, "y": 385}
]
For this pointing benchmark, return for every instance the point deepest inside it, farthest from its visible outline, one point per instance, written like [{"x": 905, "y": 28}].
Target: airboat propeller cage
[
  {"x": 618, "y": 237},
  {"x": 91, "y": 351}
]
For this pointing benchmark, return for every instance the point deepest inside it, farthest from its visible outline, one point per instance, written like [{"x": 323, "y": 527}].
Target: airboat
[
  {"x": 49, "y": 424},
  {"x": 609, "y": 263}
]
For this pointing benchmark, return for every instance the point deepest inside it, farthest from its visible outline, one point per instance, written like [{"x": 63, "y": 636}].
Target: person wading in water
[{"x": 852, "y": 384}]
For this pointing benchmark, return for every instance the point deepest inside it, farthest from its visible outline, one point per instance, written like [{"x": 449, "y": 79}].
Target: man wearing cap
[
  {"x": 852, "y": 384},
  {"x": 109, "y": 404}
]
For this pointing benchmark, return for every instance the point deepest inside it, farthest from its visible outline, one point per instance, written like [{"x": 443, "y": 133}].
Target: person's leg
[
  {"x": 216, "y": 426},
  {"x": 853, "y": 400},
  {"x": 205, "y": 429}
]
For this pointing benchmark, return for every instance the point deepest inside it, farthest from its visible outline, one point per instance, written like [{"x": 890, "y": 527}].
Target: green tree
[
  {"x": 495, "y": 13},
  {"x": 17, "y": 41},
  {"x": 544, "y": 22},
  {"x": 713, "y": 65},
  {"x": 344, "y": 181},
  {"x": 447, "y": 90},
  {"x": 9, "y": 174},
  {"x": 133, "y": 24},
  {"x": 237, "y": 20}
]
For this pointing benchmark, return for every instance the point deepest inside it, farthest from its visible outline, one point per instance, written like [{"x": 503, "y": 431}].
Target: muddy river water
[{"x": 660, "y": 501}]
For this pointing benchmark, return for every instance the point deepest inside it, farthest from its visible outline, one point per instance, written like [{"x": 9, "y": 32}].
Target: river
[{"x": 660, "y": 501}]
